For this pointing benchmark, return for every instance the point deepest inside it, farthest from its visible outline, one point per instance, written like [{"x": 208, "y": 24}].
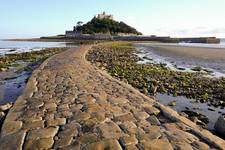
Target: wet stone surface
[{"x": 69, "y": 104}]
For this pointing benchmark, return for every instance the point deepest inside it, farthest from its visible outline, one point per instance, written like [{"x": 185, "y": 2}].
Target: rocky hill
[{"x": 105, "y": 25}]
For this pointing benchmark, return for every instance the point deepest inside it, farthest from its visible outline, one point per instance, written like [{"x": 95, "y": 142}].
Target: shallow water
[
  {"x": 220, "y": 45},
  {"x": 182, "y": 103},
  {"x": 12, "y": 88},
  {"x": 11, "y": 47}
]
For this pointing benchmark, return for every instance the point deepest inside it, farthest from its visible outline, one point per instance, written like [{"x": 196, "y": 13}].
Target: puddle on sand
[{"x": 182, "y": 103}]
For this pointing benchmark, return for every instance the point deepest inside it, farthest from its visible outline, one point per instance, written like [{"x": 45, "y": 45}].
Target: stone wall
[
  {"x": 166, "y": 39},
  {"x": 73, "y": 35}
]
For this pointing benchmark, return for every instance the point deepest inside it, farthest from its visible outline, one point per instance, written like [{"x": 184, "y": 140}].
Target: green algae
[
  {"x": 120, "y": 61},
  {"x": 14, "y": 60}
]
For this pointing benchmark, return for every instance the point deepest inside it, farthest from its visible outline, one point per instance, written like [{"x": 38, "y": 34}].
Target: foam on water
[{"x": 11, "y": 47}]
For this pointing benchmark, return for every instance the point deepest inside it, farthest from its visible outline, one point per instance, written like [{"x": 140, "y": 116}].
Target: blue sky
[{"x": 34, "y": 18}]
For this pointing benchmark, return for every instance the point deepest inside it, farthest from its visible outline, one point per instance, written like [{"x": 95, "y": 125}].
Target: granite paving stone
[{"x": 70, "y": 104}]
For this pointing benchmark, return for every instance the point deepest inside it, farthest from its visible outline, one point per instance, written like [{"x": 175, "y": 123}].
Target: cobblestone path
[{"x": 70, "y": 104}]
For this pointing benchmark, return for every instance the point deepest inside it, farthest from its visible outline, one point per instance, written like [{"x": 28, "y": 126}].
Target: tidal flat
[{"x": 121, "y": 61}]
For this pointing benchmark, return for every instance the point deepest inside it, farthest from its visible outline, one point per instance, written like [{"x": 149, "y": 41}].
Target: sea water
[{"x": 11, "y": 47}]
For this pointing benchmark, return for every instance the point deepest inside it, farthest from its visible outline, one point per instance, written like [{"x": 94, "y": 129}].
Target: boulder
[
  {"x": 220, "y": 125},
  {"x": 2, "y": 115},
  {"x": 5, "y": 107}
]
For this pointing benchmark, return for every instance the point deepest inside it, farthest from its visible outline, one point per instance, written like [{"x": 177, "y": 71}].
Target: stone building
[{"x": 104, "y": 16}]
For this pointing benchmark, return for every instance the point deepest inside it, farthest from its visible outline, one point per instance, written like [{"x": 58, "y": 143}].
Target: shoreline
[
  {"x": 185, "y": 59},
  {"x": 33, "y": 86},
  {"x": 198, "y": 52}
]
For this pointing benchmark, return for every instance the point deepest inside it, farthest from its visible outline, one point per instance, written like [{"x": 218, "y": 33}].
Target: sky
[{"x": 176, "y": 18}]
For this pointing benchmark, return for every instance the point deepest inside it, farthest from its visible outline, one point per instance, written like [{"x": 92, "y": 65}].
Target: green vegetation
[
  {"x": 105, "y": 26},
  {"x": 121, "y": 62},
  {"x": 14, "y": 60}
]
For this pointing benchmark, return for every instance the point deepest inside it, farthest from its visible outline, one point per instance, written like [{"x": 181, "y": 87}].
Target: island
[{"x": 104, "y": 27}]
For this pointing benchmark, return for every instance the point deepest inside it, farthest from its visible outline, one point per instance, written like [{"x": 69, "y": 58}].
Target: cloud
[
  {"x": 191, "y": 31},
  {"x": 216, "y": 31}
]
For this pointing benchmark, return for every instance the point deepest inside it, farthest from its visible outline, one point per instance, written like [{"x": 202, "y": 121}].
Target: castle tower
[{"x": 104, "y": 16}]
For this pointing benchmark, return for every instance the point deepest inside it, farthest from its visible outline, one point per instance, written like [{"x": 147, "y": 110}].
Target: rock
[
  {"x": 42, "y": 133},
  {"x": 82, "y": 116},
  {"x": 151, "y": 110},
  {"x": 200, "y": 145},
  {"x": 183, "y": 146},
  {"x": 10, "y": 127},
  {"x": 124, "y": 117},
  {"x": 173, "y": 103},
  {"x": 103, "y": 145},
  {"x": 56, "y": 122},
  {"x": 180, "y": 136},
  {"x": 88, "y": 138},
  {"x": 2, "y": 114},
  {"x": 63, "y": 107},
  {"x": 85, "y": 98},
  {"x": 60, "y": 143},
  {"x": 33, "y": 124},
  {"x": 100, "y": 116},
  {"x": 153, "y": 120},
  {"x": 5, "y": 107},
  {"x": 131, "y": 147},
  {"x": 196, "y": 115},
  {"x": 210, "y": 109},
  {"x": 220, "y": 125},
  {"x": 144, "y": 124},
  {"x": 69, "y": 130},
  {"x": 12, "y": 141},
  {"x": 153, "y": 132},
  {"x": 159, "y": 144},
  {"x": 51, "y": 106},
  {"x": 128, "y": 140},
  {"x": 128, "y": 127},
  {"x": 118, "y": 100},
  {"x": 141, "y": 115},
  {"x": 180, "y": 68},
  {"x": 110, "y": 130},
  {"x": 89, "y": 125},
  {"x": 43, "y": 143},
  {"x": 197, "y": 68},
  {"x": 3, "y": 69}
]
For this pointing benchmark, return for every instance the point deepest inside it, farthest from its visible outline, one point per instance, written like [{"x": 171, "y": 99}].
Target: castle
[
  {"x": 76, "y": 35},
  {"x": 104, "y": 16}
]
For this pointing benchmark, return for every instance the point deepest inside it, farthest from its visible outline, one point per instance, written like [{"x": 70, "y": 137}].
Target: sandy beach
[
  {"x": 186, "y": 56},
  {"x": 215, "y": 54}
]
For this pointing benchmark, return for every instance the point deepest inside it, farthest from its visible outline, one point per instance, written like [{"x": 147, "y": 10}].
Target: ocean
[
  {"x": 220, "y": 45},
  {"x": 11, "y": 47}
]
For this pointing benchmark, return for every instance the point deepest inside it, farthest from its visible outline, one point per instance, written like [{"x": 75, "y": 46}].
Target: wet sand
[
  {"x": 197, "y": 52},
  {"x": 185, "y": 56}
]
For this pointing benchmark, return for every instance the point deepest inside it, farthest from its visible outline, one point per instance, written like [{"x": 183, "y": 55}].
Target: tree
[
  {"x": 104, "y": 26},
  {"x": 78, "y": 27},
  {"x": 79, "y": 23}
]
